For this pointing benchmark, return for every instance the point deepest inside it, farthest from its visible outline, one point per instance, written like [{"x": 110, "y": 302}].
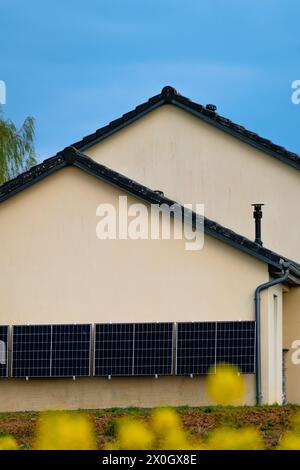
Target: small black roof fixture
[
  {"x": 211, "y": 107},
  {"x": 257, "y": 215}
]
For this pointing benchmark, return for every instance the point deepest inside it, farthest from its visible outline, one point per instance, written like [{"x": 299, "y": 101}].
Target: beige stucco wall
[
  {"x": 93, "y": 393},
  {"x": 55, "y": 270},
  {"x": 291, "y": 341},
  {"x": 193, "y": 162}
]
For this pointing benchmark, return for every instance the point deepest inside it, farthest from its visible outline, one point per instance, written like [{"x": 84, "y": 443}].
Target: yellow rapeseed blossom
[
  {"x": 8, "y": 443},
  {"x": 235, "y": 439},
  {"x": 64, "y": 431},
  {"x": 134, "y": 435},
  {"x": 170, "y": 435},
  {"x": 226, "y": 386},
  {"x": 296, "y": 423},
  {"x": 112, "y": 446},
  {"x": 175, "y": 439},
  {"x": 164, "y": 420},
  {"x": 165, "y": 432},
  {"x": 291, "y": 439}
]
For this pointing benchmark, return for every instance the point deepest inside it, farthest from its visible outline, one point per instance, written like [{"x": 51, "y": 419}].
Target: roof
[
  {"x": 71, "y": 156},
  {"x": 169, "y": 95}
]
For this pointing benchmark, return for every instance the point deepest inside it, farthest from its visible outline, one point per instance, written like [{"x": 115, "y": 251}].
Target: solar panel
[
  {"x": 196, "y": 348},
  {"x": 113, "y": 349},
  {"x": 31, "y": 351},
  {"x": 3, "y": 351},
  {"x": 153, "y": 348},
  {"x": 51, "y": 350},
  {"x": 70, "y": 352},
  {"x": 126, "y": 349},
  {"x": 236, "y": 344}
]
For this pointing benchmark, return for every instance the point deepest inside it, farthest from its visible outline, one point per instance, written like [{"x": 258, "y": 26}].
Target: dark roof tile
[{"x": 103, "y": 130}]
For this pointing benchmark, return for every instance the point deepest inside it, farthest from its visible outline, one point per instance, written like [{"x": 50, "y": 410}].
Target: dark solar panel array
[
  {"x": 202, "y": 345},
  {"x": 3, "y": 351},
  {"x": 127, "y": 349}
]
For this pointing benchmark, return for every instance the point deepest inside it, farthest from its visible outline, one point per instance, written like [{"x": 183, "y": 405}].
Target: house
[{"x": 92, "y": 323}]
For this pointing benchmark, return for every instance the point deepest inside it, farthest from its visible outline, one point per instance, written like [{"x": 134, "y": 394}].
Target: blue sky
[{"x": 75, "y": 65}]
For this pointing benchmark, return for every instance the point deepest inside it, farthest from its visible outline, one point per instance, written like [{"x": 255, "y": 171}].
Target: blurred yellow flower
[
  {"x": 165, "y": 432},
  {"x": 226, "y": 386},
  {"x": 64, "y": 431},
  {"x": 164, "y": 420},
  {"x": 8, "y": 443},
  {"x": 235, "y": 439},
  {"x": 133, "y": 435},
  {"x": 296, "y": 423},
  {"x": 290, "y": 441},
  {"x": 175, "y": 439},
  {"x": 168, "y": 428}
]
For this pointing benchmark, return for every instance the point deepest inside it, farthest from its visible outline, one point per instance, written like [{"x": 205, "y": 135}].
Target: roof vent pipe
[{"x": 257, "y": 215}]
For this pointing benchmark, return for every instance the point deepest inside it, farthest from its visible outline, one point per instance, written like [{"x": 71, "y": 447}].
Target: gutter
[{"x": 261, "y": 287}]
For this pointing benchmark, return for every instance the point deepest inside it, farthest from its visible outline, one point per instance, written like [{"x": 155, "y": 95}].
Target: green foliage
[
  {"x": 111, "y": 428},
  {"x": 17, "y": 152},
  {"x": 132, "y": 410},
  {"x": 208, "y": 409}
]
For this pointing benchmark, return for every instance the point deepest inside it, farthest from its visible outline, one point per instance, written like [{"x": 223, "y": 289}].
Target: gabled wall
[
  {"x": 55, "y": 270},
  {"x": 193, "y": 162}
]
